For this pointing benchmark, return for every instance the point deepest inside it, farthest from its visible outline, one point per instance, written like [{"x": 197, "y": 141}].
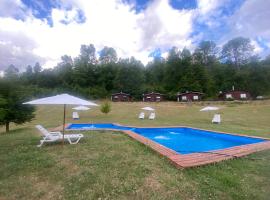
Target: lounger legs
[
  {"x": 68, "y": 139},
  {"x": 41, "y": 143},
  {"x": 75, "y": 142}
]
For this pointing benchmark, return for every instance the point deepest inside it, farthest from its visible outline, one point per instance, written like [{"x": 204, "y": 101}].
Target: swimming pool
[{"x": 182, "y": 140}]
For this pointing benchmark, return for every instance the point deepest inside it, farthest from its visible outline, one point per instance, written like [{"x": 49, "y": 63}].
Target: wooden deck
[{"x": 197, "y": 159}]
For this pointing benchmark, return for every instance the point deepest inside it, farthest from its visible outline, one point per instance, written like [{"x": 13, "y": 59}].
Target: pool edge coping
[{"x": 194, "y": 159}]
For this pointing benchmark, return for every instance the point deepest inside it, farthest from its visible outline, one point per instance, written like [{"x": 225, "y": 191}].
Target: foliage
[
  {"x": 11, "y": 107},
  {"x": 105, "y": 107},
  {"x": 206, "y": 53},
  {"x": 237, "y": 51},
  {"x": 203, "y": 71}
]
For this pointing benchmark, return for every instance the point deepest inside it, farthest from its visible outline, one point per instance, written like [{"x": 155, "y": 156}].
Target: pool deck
[{"x": 195, "y": 159}]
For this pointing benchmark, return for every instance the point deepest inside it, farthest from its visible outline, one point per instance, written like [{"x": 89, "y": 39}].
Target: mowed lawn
[{"x": 110, "y": 165}]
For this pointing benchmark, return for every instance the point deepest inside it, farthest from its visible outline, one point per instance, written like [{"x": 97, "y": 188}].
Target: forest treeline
[{"x": 208, "y": 69}]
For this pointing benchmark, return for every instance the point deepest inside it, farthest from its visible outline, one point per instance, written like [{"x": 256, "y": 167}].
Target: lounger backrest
[
  {"x": 75, "y": 115},
  {"x": 141, "y": 115},
  {"x": 152, "y": 116},
  {"x": 217, "y": 118},
  {"x": 42, "y": 130}
]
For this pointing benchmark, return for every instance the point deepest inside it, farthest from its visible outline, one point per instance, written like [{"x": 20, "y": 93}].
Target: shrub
[{"x": 105, "y": 107}]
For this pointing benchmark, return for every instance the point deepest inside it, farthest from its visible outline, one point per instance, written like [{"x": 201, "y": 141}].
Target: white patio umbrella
[
  {"x": 209, "y": 108},
  {"x": 62, "y": 99},
  {"x": 148, "y": 108},
  {"x": 81, "y": 108}
]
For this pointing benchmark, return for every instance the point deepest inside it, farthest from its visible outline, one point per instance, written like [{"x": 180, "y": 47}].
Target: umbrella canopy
[
  {"x": 81, "y": 108},
  {"x": 148, "y": 108},
  {"x": 209, "y": 108},
  {"x": 62, "y": 99}
]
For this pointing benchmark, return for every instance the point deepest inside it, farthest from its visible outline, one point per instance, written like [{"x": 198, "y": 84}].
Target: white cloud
[
  {"x": 257, "y": 48},
  {"x": 164, "y": 27},
  {"x": 207, "y": 6},
  {"x": 111, "y": 23},
  {"x": 252, "y": 20},
  {"x": 13, "y": 8}
]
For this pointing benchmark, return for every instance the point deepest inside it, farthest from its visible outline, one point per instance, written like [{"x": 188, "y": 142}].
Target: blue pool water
[{"x": 182, "y": 139}]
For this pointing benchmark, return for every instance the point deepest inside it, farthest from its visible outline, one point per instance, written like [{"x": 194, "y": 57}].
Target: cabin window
[
  {"x": 148, "y": 97},
  {"x": 184, "y": 98},
  {"x": 116, "y": 97},
  {"x": 243, "y": 96},
  {"x": 195, "y": 97},
  {"x": 228, "y": 96}
]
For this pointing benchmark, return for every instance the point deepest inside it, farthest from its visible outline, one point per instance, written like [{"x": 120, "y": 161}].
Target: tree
[
  {"x": 88, "y": 54},
  {"x": 130, "y": 76},
  {"x": 185, "y": 55},
  {"x": 37, "y": 68},
  {"x": 174, "y": 54},
  {"x": 105, "y": 107},
  {"x": 11, "y": 72},
  {"x": 66, "y": 60},
  {"x": 29, "y": 70},
  {"x": 11, "y": 107},
  {"x": 237, "y": 51},
  {"x": 108, "y": 55},
  {"x": 267, "y": 60},
  {"x": 206, "y": 52}
]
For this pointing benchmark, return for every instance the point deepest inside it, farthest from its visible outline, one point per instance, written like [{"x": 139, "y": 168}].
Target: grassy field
[{"x": 110, "y": 165}]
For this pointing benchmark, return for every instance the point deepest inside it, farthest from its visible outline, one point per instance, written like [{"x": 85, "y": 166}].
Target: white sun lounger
[
  {"x": 141, "y": 115},
  {"x": 152, "y": 116},
  {"x": 216, "y": 119},
  {"x": 49, "y": 137},
  {"x": 75, "y": 115}
]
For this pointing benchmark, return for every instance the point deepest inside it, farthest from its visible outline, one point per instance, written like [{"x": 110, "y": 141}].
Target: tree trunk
[{"x": 7, "y": 126}]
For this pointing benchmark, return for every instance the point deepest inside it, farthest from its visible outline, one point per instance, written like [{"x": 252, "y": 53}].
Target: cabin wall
[
  {"x": 189, "y": 97},
  {"x": 152, "y": 98},
  {"x": 236, "y": 95},
  {"x": 120, "y": 98}
]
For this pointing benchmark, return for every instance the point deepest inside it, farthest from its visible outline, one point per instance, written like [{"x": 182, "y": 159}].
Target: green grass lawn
[{"x": 110, "y": 165}]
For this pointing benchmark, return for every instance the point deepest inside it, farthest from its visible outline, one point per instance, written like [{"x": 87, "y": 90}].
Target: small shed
[
  {"x": 189, "y": 96},
  {"x": 121, "y": 96},
  {"x": 234, "y": 95},
  {"x": 153, "y": 97}
]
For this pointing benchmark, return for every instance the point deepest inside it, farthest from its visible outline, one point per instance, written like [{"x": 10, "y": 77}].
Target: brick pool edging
[
  {"x": 198, "y": 159},
  {"x": 194, "y": 159}
]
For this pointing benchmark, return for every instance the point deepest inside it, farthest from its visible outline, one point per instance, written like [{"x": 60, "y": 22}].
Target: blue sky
[{"x": 44, "y": 30}]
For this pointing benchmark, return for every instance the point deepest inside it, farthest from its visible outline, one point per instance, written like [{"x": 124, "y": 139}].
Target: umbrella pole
[{"x": 64, "y": 122}]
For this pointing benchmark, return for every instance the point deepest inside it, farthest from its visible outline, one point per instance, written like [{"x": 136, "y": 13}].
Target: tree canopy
[
  {"x": 208, "y": 69},
  {"x": 11, "y": 108},
  {"x": 237, "y": 51}
]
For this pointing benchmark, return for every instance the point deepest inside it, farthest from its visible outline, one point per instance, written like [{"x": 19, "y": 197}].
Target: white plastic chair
[
  {"x": 141, "y": 115},
  {"x": 49, "y": 137},
  {"x": 216, "y": 119},
  {"x": 75, "y": 115},
  {"x": 152, "y": 116}
]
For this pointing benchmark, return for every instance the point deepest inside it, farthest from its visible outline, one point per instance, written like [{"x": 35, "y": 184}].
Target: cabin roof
[
  {"x": 153, "y": 93},
  {"x": 120, "y": 93},
  {"x": 190, "y": 92},
  {"x": 235, "y": 91}
]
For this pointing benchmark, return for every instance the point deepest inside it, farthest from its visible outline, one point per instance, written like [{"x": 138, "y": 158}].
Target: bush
[{"x": 105, "y": 108}]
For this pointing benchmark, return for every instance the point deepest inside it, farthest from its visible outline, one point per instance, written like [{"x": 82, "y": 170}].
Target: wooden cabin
[
  {"x": 153, "y": 97},
  {"x": 189, "y": 96},
  {"x": 120, "y": 97},
  {"x": 234, "y": 95}
]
